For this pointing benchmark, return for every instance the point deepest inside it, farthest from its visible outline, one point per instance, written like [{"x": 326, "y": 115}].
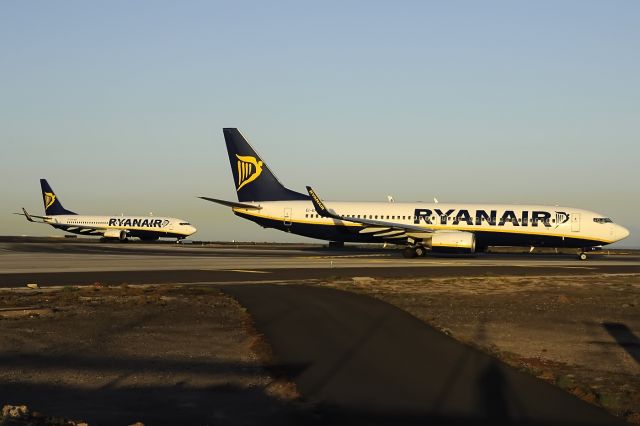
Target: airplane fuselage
[
  {"x": 492, "y": 225},
  {"x": 144, "y": 227}
]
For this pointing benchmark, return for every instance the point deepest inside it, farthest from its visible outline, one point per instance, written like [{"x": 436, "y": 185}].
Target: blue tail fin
[
  {"x": 52, "y": 205},
  {"x": 253, "y": 179}
]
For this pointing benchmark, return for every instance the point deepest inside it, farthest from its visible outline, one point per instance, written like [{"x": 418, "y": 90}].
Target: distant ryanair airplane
[
  {"x": 420, "y": 227},
  {"x": 147, "y": 228}
]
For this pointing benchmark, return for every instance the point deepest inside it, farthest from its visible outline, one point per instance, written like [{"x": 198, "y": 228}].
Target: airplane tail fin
[
  {"x": 253, "y": 179},
  {"x": 52, "y": 205}
]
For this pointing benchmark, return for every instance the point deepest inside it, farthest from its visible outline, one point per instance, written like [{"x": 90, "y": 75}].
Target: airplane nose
[
  {"x": 192, "y": 230},
  {"x": 622, "y": 232}
]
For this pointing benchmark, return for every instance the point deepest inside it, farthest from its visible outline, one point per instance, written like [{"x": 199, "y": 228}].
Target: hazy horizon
[{"x": 121, "y": 105}]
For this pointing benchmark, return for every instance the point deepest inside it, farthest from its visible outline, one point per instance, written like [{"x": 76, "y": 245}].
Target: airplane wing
[
  {"x": 379, "y": 228},
  {"x": 232, "y": 204},
  {"x": 30, "y": 216}
]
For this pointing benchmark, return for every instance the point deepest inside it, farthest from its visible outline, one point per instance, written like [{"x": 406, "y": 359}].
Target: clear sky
[{"x": 120, "y": 104}]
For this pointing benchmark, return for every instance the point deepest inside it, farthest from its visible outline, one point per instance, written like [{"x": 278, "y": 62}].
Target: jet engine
[
  {"x": 115, "y": 233},
  {"x": 453, "y": 242}
]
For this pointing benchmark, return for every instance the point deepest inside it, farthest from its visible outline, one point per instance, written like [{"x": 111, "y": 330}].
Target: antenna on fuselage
[
  {"x": 390, "y": 199},
  {"x": 435, "y": 200}
]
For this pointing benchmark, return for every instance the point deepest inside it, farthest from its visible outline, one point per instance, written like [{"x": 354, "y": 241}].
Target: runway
[{"x": 76, "y": 264}]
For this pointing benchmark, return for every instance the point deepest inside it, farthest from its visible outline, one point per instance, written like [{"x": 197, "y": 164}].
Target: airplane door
[
  {"x": 575, "y": 222},
  {"x": 287, "y": 217}
]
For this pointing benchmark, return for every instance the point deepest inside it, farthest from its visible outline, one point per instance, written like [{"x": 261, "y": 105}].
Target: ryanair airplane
[
  {"x": 147, "y": 228},
  {"x": 419, "y": 227}
]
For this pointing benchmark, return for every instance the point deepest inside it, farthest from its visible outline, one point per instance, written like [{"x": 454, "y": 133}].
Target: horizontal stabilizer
[{"x": 232, "y": 204}]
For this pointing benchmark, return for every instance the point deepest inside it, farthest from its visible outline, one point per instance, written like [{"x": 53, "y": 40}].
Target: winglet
[
  {"x": 319, "y": 205},
  {"x": 27, "y": 215}
]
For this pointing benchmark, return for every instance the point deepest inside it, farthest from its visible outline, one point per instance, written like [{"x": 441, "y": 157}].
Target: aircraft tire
[
  {"x": 582, "y": 256},
  {"x": 409, "y": 253}
]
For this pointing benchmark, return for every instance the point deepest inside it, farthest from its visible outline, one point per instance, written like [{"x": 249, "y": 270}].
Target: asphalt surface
[
  {"x": 366, "y": 362},
  {"x": 184, "y": 276},
  {"x": 57, "y": 263}
]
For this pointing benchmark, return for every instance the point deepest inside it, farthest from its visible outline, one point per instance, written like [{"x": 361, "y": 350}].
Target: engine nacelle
[
  {"x": 115, "y": 233},
  {"x": 453, "y": 242}
]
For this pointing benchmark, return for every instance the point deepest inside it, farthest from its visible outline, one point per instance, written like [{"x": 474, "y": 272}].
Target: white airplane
[
  {"x": 147, "y": 228},
  {"x": 420, "y": 227}
]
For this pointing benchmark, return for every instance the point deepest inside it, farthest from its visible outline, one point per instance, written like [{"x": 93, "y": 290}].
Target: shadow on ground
[
  {"x": 494, "y": 399},
  {"x": 625, "y": 338},
  {"x": 120, "y": 402}
]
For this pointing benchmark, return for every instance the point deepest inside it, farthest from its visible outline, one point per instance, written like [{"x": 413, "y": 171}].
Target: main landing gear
[{"x": 411, "y": 252}]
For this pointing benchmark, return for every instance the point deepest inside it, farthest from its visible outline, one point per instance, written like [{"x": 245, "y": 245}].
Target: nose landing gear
[{"x": 582, "y": 253}]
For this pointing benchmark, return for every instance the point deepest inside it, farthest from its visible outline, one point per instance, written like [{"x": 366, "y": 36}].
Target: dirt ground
[
  {"x": 158, "y": 355},
  {"x": 580, "y": 333}
]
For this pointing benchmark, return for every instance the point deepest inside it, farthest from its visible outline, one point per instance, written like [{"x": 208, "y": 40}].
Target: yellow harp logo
[
  {"x": 248, "y": 170},
  {"x": 49, "y": 199}
]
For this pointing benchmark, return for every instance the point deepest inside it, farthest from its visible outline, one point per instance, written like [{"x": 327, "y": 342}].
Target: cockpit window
[
  {"x": 602, "y": 220},
  {"x": 185, "y": 223}
]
